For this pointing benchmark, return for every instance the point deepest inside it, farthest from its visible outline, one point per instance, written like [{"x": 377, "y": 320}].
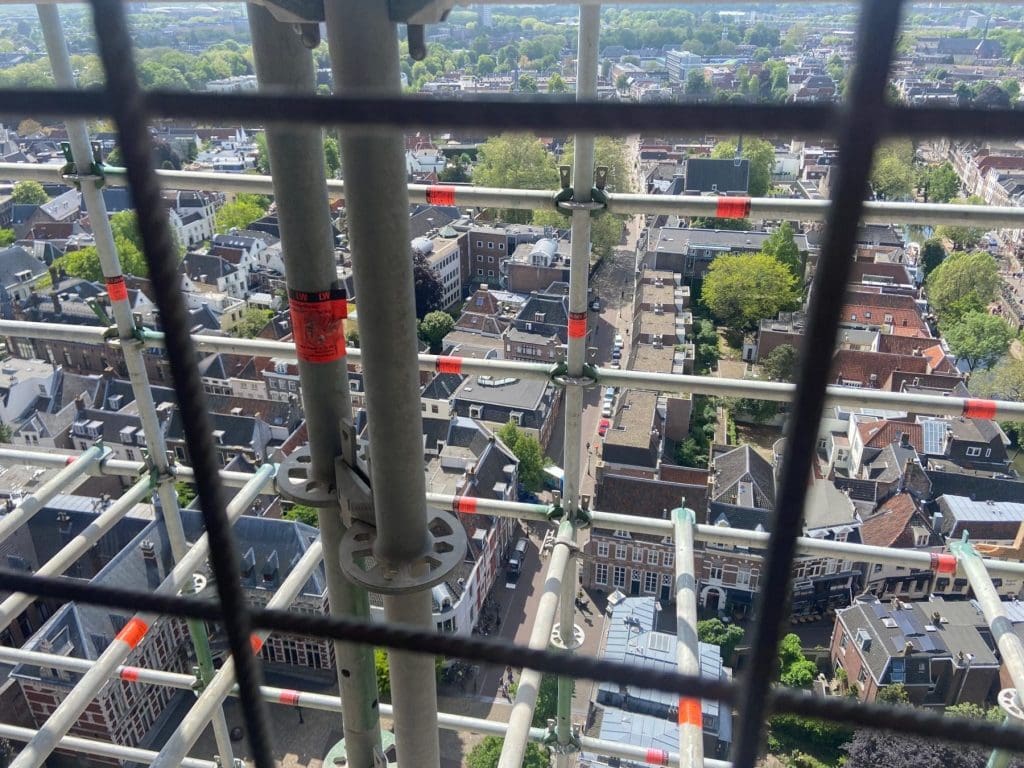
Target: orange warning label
[
  {"x": 980, "y": 409},
  {"x": 133, "y": 632},
  {"x": 117, "y": 290},
  {"x": 318, "y": 324},
  {"x": 689, "y": 712},
  {"x": 441, "y": 195},
  {"x": 733, "y": 208}
]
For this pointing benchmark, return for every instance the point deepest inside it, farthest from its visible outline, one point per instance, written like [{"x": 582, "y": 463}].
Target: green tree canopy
[
  {"x": 797, "y": 671},
  {"x": 725, "y": 636},
  {"x": 6, "y": 237},
  {"x": 963, "y": 283},
  {"x": 696, "y": 83},
  {"x": 1004, "y": 381},
  {"x": 978, "y": 338},
  {"x": 253, "y": 321},
  {"x": 126, "y": 224},
  {"x": 782, "y": 245},
  {"x": 301, "y": 513},
  {"x": 761, "y": 155},
  {"x": 781, "y": 363},
  {"x": 515, "y": 160},
  {"x": 528, "y": 451},
  {"x": 85, "y": 262},
  {"x": 487, "y": 753},
  {"x": 332, "y": 157},
  {"x": 962, "y": 237},
  {"x": 527, "y": 84},
  {"x": 933, "y": 253},
  {"x": 622, "y": 82},
  {"x": 896, "y": 693},
  {"x": 556, "y": 84},
  {"x": 434, "y": 327},
  {"x": 892, "y": 176},
  {"x": 941, "y": 184},
  {"x": 428, "y": 288},
  {"x": 238, "y": 214},
  {"x": 712, "y": 222},
  {"x": 744, "y": 288},
  {"x": 29, "y": 193}
]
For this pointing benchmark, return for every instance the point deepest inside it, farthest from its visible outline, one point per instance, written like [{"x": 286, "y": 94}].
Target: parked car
[
  {"x": 609, "y": 394},
  {"x": 606, "y": 410},
  {"x": 595, "y": 305},
  {"x": 619, "y": 343},
  {"x": 602, "y": 427},
  {"x": 616, "y": 354}
]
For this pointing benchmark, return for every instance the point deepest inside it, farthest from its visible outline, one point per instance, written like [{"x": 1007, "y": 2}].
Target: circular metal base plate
[
  {"x": 295, "y": 484},
  {"x": 577, "y": 638},
  {"x": 446, "y": 550},
  {"x": 1011, "y": 703}
]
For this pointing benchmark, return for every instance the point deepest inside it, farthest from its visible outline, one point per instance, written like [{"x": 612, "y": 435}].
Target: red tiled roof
[
  {"x": 891, "y": 526},
  {"x": 858, "y": 365},
  {"x": 878, "y": 434},
  {"x": 896, "y": 272}
]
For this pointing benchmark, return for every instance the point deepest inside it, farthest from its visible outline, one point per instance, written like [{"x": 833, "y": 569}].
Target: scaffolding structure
[{"x": 390, "y": 507}]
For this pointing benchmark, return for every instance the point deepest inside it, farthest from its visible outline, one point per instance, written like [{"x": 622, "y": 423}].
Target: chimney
[
  {"x": 79, "y": 403},
  {"x": 936, "y": 619},
  {"x": 152, "y": 566},
  {"x": 903, "y": 440}
]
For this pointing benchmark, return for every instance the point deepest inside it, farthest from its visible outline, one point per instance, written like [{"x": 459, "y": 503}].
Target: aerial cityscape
[{"x": 607, "y": 414}]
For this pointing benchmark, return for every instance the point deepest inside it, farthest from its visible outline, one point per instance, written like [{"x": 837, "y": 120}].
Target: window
[
  {"x": 490, "y": 259},
  {"x": 742, "y": 577},
  {"x": 490, "y": 273},
  {"x": 652, "y": 557},
  {"x": 480, "y": 272},
  {"x": 490, "y": 245},
  {"x": 621, "y": 535},
  {"x": 888, "y": 318},
  {"x": 618, "y": 576},
  {"x": 501, "y": 246},
  {"x": 714, "y": 573},
  {"x": 433, "y": 409},
  {"x": 844, "y": 640},
  {"x": 600, "y": 573},
  {"x": 602, "y": 549},
  {"x": 974, "y": 451},
  {"x": 988, "y": 452},
  {"x": 479, "y": 243},
  {"x": 638, "y": 555},
  {"x": 620, "y": 551},
  {"x": 650, "y": 582},
  {"x": 668, "y": 558}
]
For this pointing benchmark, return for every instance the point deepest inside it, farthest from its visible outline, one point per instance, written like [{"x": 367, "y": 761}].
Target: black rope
[
  {"x": 507, "y": 114},
  {"x": 499, "y": 652},
  {"x": 128, "y": 110},
  {"x": 878, "y": 25}
]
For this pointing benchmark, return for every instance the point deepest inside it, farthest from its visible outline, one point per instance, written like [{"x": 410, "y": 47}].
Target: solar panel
[
  {"x": 903, "y": 622},
  {"x": 934, "y": 432}
]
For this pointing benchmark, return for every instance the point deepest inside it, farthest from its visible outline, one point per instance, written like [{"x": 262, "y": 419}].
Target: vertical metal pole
[
  {"x": 364, "y": 57},
  {"x": 691, "y": 732},
  {"x": 583, "y": 181},
  {"x": 514, "y": 748},
  {"x": 297, "y": 159},
  {"x": 81, "y": 151}
]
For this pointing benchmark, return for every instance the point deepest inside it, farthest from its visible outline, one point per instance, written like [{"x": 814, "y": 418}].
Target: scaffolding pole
[
  {"x": 179, "y": 743},
  {"x": 691, "y": 725},
  {"x": 100, "y": 748},
  {"x": 307, "y": 239},
  {"x": 12, "y": 607},
  {"x": 667, "y": 383},
  {"x": 30, "y": 505},
  {"x": 363, "y": 44},
  {"x": 64, "y": 717},
  {"x": 514, "y": 748},
  {"x": 619, "y": 203}
]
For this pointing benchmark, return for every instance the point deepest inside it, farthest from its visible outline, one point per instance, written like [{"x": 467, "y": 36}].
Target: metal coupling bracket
[
  {"x": 295, "y": 482},
  {"x": 69, "y": 172},
  {"x": 560, "y": 377}
]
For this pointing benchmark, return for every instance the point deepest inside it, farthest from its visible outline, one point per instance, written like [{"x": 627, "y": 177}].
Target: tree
[
  {"x": 781, "y": 363},
  {"x": 238, "y": 214},
  {"x": 978, "y": 338},
  {"x": 6, "y": 237},
  {"x": 895, "y": 693},
  {"x": 515, "y": 160},
  {"x": 933, "y": 253},
  {"x": 761, "y": 155},
  {"x": 301, "y": 513},
  {"x": 712, "y": 222},
  {"x": 871, "y": 748},
  {"x": 797, "y": 671},
  {"x": 383, "y": 671},
  {"x": 696, "y": 83},
  {"x": 527, "y": 450},
  {"x": 556, "y": 84},
  {"x": 455, "y": 170},
  {"x": 527, "y": 84},
  {"x": 332, "y": 157},
  {"x": 485, "y": 65},
  {"x": 262, "y": 156},
  {"x": 547, "y": 701},
  {"x": 1004, "y": 381},
  {"x": 963, "y": 283},
  {"x": 622, "y": 82},
  {"x": 892, "y": 176},
  {"x": 126, "y": 224},
  {"x": 782, "y": 245},
  {"x": 941, "y": 184},
  {"x": 6, "y": 433},
  {"x": 253, "y": 321},
  {"x": 434, "y": 327},
  {"x": 725, "y": 636},
  {"x": 487, "y": 753},
  {"x": 85, "y": 262},
  {"x": 963, "y": 238},
  {"x": 186, "y": 493},
  {"x": 29, "y": 193},
  {"x": 429, "y": 292},
  {"x": 352, "y": 337},
  {"x": 744, "y": 288}
]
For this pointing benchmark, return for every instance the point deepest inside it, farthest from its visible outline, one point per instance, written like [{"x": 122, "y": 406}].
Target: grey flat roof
[{"x": 504, "y": 391}]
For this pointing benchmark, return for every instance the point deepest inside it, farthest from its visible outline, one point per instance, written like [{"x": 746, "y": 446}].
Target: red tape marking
[
  {"x": 290, "y": 698},
  {"x": 318, "y": 324},
  {"x": 980, "y": 409},
  {"x": 657, "y": 757},
  {"x": 733, "y": 208},
  {"x": 256, "y": 643},
  {"x": 465, "y": 504},
  {"x": 441, "y": 195},
  {"x": 577, "y": 325},
  {"x": 70, "y": 461},
  {"x": 447, "y": 364},
  {"x": 943, "y": 563},
  {"x": 133, "y": 632},
  {"x": 130, "y": 674},
  {"x": 117, "y": 290},
  {"x": 689, "y": 712}
]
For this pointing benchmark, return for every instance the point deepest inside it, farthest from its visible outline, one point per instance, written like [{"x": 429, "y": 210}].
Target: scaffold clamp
[
  {"x": 296, "y": 483},
  {"x": 69, "y": 171},
  {"x": 560, "y": 375}
]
